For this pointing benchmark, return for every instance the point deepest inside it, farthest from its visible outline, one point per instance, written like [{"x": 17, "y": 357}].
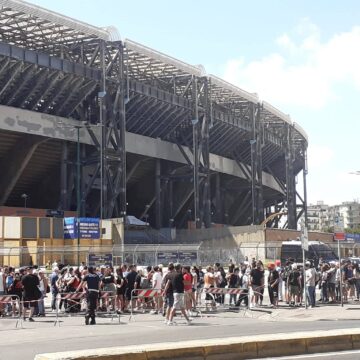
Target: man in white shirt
[
  {"x": 54, "y": 265},
  {"x": 156, "y": 284},
  {"x": 310, "y": 284}
]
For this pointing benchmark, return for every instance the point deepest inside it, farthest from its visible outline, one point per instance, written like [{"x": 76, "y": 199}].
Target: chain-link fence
[{"x": 203, "y": 253}]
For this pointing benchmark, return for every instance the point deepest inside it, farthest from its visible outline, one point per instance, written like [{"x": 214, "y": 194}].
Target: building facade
[
  {"x": 318, "y": 216},
  {"x": 322, "y": 217}
]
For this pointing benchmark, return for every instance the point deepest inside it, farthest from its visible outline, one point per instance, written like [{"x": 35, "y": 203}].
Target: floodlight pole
[
  {"x": 305, "y": 172},
  {"x": 78, "y": 195}
]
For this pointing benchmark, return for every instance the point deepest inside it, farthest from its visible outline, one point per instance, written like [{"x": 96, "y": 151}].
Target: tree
[{"x": 352, "y": 231}]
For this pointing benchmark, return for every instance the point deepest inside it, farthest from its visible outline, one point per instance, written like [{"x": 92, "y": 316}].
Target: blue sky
[{"x": 301, "y": 56}]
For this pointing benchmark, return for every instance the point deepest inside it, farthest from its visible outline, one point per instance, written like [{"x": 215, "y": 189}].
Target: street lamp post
[
  {"x": 78, "y": 198},
  {"x": 25, "y": 197}
]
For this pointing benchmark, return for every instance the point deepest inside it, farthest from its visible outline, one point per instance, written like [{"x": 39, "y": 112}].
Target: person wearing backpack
[{"x": 294, "y": 285}]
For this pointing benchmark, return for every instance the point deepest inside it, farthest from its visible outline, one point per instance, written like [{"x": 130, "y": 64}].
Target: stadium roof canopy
[{"x": 33, "y": 27}]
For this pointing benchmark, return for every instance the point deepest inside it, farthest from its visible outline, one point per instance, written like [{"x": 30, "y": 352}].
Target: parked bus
[{"x": 317, "y": 250}]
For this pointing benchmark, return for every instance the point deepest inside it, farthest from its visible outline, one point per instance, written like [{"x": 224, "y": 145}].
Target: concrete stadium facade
[{"x": 110, "y": 127}]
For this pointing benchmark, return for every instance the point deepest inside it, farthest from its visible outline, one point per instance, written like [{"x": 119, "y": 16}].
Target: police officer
[{"x": 91, "y": 281}]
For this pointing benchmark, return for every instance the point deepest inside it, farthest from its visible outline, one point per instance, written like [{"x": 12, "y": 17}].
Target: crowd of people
[{"x": 176, "y": 287}]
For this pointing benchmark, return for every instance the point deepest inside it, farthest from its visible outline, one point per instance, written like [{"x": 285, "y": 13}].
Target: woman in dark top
[
  {"x": 108, "y": 285},
  {"x": 120, "y": 290},
  {"x": 257, "y": 283},
  {"x": 32, "y": 293},
  {"x": 233, "y": 279},
  {"x": 16, "y": 290},
  {"x": 222, "y": 284}
]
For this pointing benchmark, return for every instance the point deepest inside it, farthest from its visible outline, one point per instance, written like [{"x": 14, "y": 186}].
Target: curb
[{"x": 247, "y": 347}]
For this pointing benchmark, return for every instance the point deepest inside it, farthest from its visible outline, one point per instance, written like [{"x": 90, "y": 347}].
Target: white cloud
[{"x": 303, "y": 71}]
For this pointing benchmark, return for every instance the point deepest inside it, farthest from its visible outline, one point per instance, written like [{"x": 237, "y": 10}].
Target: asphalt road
[{"x": 42, "y": 336}]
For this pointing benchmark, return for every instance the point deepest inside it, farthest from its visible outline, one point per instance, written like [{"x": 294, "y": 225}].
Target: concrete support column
[
  {"x": 64, "y": 177},
  {"x": 219, "y": 213},
  {"x": 290, "y": 181},
  {"x": 158, "y": 194}
]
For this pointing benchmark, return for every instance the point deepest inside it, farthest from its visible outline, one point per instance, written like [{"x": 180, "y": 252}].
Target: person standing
[
  {"x": 187, "y": 277},
  {"x": 310, "y": 280},
  {"x": 32, "y": 293},
  {"x": 357, "y": 280},
  {"x": 43, "y": 283},
  {"x": 257, "y": 283},
  {"x": 157, "y": 279},
  {"x": 2, "y": 287},
  {"x": 178, "y": 289},
  {"x": 131, "y": 285},
  {"x": 120, "y": 290},
  {"x": 244, "y": 285},
  {"x": 91, "y": 281},
  {"x": 332, "y": 282},
  {"x": 233, "y": 279},
  {"x": 209, "y": 283},
  {"x": 168, "y": 291},
  {"x": 273, "y": 284},
  {"x": 53, "y": 287},
  {"x": 294, "y": 285}
]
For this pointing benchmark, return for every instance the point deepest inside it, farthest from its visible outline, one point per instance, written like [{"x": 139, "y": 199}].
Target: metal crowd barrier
[
  {"x": 246, "y": 311},
  {"x": 214, "y": 292},
  {"x": 109, "y": 295},
  {"x": 11, "y": 299},
  {"x": 142, "y": 294},
  {"x": 74, "y": 298}
]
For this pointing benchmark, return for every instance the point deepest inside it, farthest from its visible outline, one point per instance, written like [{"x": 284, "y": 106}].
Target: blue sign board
[
  {"x": 167, "y": 257},
  {"x": 188, "y": 258},
  {"x": 184, "y": 257},
  {"x": 352, "y": 237},
  {"x": 87, "y": 228},
  {"x": 100, "y": 259}
]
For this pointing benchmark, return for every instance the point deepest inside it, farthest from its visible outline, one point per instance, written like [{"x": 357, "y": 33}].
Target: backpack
[
  {"x": 285, "y": 273},
  {"x": 293, "y": 278}
]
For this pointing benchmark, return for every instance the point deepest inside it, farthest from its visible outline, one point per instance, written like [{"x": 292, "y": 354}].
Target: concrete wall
[
  {"x": 229, "y": 236},
  {"x": 279, "y": 235},
  {"x": 229, "y": 243},
  {"x": 20, "y": 211}
]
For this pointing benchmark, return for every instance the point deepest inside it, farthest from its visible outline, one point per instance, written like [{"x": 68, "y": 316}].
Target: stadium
[{"x": 107, "y": 127}]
